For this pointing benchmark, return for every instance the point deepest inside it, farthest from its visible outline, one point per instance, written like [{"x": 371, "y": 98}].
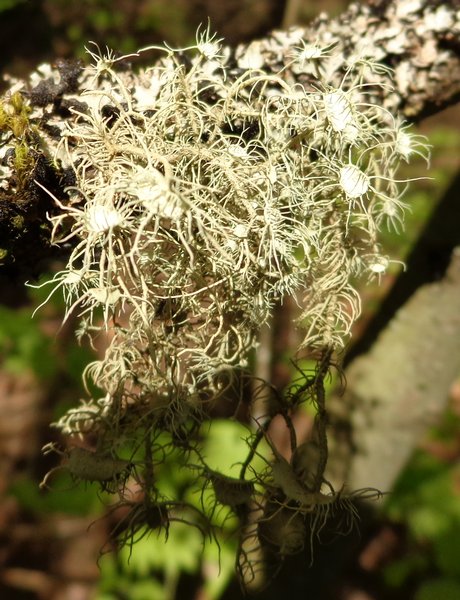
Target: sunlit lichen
[{"x": 201, "y": 199}]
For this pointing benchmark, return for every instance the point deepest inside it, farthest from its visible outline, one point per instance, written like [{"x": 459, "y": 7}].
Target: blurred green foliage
[
  {"x": 65, "y": 497},
  {"x": 23, "y": 345},
  {"x": 118, "y": 27},
  {"x": 50, "y": 28},
  {"x": 439, "y": 589},
  {"x": 8, "y": 4},
  {"x": 427, "y": 501}
]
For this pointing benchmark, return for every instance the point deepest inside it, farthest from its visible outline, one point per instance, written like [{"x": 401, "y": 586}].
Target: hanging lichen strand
[{"x": 204, "y": 194}]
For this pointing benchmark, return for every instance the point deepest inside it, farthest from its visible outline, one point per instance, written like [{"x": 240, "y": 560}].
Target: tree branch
[
  {"x": 419, "y": 39},
  {"x": 398, "y": 389}
]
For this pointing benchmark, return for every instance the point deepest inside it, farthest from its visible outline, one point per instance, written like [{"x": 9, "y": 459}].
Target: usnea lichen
[{"x": 204, "y": 194}]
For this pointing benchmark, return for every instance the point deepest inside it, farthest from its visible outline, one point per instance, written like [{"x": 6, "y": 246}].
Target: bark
[
  {"x": 419, "y": 39},
  {"x": 399, "y": 388}
]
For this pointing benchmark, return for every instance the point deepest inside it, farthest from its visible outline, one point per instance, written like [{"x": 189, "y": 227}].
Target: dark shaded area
[
  {"x": 37, "y": 31},
  {"x": 25, "y": 237},
  {"x": 25, "y": 34},
  {"x": 334, "y": 571}
]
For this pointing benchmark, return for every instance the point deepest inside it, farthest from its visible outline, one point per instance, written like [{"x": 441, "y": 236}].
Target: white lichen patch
[
  {"x": 338, "y": 110},
  {"x": 102, "y": 218},
  {"x": 353, "y": 181}
]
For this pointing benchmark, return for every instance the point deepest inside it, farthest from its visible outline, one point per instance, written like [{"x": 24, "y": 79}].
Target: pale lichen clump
[
  {"x": 201, "y": 199},
  {"x": 204, "y": 194}
]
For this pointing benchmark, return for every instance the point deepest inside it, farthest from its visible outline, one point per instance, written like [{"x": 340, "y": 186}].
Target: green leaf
[
  {"x": 182, "y": 551},
  {"x": 115, "y": 583},
  {"x": 219, "y": 563},
  {"x": 65, "y": 496},
  {"x": 399, "y": 571},
  {"x": 439, "y": 589},
  {"x": 225, "y": 447},
  {"x": 447, "y": 551}
]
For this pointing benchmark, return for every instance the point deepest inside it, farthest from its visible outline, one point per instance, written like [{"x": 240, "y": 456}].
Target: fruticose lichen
[{"x": 204, "y": 193}]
